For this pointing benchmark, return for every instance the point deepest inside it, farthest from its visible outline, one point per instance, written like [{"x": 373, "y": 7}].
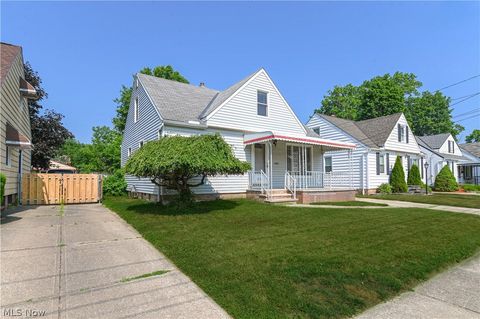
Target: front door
[{"x": 259, "y": 157}]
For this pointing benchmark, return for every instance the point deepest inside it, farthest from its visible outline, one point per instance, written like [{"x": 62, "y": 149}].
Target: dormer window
[
  {"x": 451, "y": 147},
  {"x": 262, "y": 105},
  {"x": 135, "y": 110}
]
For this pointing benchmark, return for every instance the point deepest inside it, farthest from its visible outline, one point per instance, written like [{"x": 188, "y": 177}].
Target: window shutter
[
  {"x": 453, "y": 147},
  {"x": 408, "y": 164},
  {"x": 406, "y": 133},
  {"x": 378, "y": 163},
  {"x": 399, "y": 129},
  {"x": 421, "y": 166},
  {"x": 388, "y": 163}
]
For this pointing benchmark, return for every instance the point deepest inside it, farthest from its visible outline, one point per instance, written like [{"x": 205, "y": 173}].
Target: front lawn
[
  {"x": 470, "y": 201},
  {"x": 266, "y": 261},
  {"x": 349, "y": 203}
]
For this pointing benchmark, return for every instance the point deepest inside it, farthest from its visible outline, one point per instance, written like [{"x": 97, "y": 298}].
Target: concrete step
[{"x": 280, "y": 200}]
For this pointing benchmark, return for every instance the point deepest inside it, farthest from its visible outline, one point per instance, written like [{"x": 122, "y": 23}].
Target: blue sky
[{"x": 84, "y": 52}]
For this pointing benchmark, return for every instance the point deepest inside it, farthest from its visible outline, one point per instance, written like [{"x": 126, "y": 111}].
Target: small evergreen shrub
[
  {"x": 414, "y": 176},
  {"x": 445, "y": 181},
  {"x": 3, "y": 181},
  {"x": 384, "y": 188},
  {"x": 397, "y": 177},
  {"x": 115, "y": 184}
]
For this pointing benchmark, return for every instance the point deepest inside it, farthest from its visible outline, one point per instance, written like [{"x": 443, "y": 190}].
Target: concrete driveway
[{"x": 80, "y": 263}]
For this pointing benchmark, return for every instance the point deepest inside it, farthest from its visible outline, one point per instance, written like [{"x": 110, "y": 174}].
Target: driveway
[{"x": 82, "y": 262}]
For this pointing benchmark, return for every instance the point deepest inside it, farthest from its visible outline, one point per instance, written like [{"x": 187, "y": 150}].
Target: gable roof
[
  {"x": 472, "y": 148},
  {"x": 8, "y": 53},
  {"x": 434, "y": 141},
  {"x": 175, "y": 100},
  {"x": 221, "y": 97},
  {"x": 372, "y": 132}
]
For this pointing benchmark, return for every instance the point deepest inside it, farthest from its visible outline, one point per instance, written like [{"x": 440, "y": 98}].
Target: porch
[{"x": 288, "y": 167}]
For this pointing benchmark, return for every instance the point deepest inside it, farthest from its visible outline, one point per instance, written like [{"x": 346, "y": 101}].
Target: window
[
  {"x": 262, "y": 103},
  {"x": 451, "y": 147},
  {"x": 328, "y": 164},
  {"x": 129, "y": 152},
  {"x": 135, "y": 110},
  {"x": 140, "y": 144},
  {"x": 380, "y": 163},
  {"x": 317, "y": 130},
  {"x": 7, "y": 156}
]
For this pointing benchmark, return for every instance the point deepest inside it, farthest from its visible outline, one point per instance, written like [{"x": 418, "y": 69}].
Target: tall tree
[
  {"x": 48, "y": 131},
  {"x": 123, "y": 101},
  {"x": 428, "y": 113},
  {"x": 473, "y": 137}
]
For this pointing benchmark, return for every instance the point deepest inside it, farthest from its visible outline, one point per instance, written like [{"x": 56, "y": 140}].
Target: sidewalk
[
  {"x": 454, "y": 293},
  {"x": 395, "y": 203}
]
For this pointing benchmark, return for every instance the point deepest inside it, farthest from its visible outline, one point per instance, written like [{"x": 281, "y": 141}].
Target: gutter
[{"x": 190, "y": 124}]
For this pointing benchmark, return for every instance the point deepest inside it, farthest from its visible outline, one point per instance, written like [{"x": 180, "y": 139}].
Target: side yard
[
  {"x": 470, "y": 201},
  {"x": 263, "y": 261}
]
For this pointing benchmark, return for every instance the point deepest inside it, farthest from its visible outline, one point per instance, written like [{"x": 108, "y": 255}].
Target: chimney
[{"x": 202, "y": 84}]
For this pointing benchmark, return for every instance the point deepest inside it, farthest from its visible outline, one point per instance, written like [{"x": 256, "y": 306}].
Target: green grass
[
  {"x": 266, "y": 261},
  {"x": 349, "y": 203},
  {"x": 470, "y": 201},
  {"x": 150, "y": 274}
]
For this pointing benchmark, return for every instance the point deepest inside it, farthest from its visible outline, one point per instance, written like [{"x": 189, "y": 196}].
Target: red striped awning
[{"x": 260, "y": 137}]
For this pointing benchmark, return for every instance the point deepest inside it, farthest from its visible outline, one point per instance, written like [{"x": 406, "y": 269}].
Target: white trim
[
  {"x": 136, "y": 109},
  {"x": 18, "y": 143},
  {"x": 150, "y": 98}
]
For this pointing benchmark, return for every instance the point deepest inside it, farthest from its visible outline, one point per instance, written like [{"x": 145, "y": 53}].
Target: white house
[
  {"x": 469, "y": 166},
  {"x": 378, "y": 142},
  {"x": 440, "y": 150},
  {"x": 255, "y": 119}
]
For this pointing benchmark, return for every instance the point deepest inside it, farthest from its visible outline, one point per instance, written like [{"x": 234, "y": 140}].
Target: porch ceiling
[{"x": 259, "y": 137}]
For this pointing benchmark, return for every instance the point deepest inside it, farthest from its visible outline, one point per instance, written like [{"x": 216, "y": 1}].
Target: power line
[
  {"x": 467, "y": 118},
  {"x": 466, "y": 113},
  {"x": 466, "y": 98},
  {"x": 461, "y": 97},
  {"x": 448, "y": 86}
]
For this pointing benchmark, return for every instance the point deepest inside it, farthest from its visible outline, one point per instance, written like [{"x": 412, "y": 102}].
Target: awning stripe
[{"x": 299, "y": 139}]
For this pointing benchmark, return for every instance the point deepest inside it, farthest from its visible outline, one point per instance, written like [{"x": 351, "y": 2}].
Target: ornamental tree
[
  {"x": 414, "y": 176},
  {"x": 179, "y": 163},
  {"x": 397, "y": 177}
]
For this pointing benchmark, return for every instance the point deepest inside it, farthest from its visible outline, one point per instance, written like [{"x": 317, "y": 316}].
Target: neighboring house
[
  {"x": 378, "y": 142},
  {"x": 254, "y": 118},
  {"x": 440, "y": 150},
  {"x": 469, "y": 167},
  {"x": 15, "y": 132},
  {"x": 60, "y": 168}
]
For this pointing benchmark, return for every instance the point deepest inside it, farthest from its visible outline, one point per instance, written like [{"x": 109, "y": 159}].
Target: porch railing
[
  {"x": 259, "y": 181},
  {"x": 317, "y": 179},
  {"x": 291, "y": 184}
]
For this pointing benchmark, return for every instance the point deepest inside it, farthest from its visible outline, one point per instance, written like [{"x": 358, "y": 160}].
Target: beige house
[{"x": 15, "y": 131}]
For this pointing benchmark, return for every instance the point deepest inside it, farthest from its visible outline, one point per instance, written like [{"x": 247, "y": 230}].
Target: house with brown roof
[{"x": 15, "y": 130}]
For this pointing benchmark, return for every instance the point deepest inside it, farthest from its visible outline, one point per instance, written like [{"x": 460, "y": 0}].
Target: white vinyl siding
[
  {"x": 393, "y": 144},
  {"x": 145, "y": 129},
  {"x": 340, "y": 159},
  {"x": 454, "y": 148},
  {"x": 19, "y": 118},
  {"x": 240, "y": 112}
]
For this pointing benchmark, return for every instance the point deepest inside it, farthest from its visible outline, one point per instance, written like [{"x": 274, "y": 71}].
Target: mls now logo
[{"x": 18, "y": 312}]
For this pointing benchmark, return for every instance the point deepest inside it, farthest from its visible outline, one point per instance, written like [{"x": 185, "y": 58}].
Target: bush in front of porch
[
  {"x": 445, "y": 181},
  {"x": 397, "y": 177}
]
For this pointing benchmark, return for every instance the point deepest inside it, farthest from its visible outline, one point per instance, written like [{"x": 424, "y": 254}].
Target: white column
[{"x": 350, "y": 166}]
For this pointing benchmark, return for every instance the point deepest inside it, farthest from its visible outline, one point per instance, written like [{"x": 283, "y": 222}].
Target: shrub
[
  {"x": 384, "y": 188},
  {"x": 445, "y": 181},
  {"x": 414, "y": 176},
  {"x": 3, "y": 181},
  {"x": 471, "y": 188},
  {"x": 397, "y": 177},
  {"x": 115, "y": 184}
]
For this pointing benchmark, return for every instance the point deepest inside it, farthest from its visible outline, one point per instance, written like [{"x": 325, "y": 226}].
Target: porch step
[{"x": 280, "y": 200}]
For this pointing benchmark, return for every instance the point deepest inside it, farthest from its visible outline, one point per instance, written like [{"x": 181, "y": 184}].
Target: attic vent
[{"x": 202, "y": 84}]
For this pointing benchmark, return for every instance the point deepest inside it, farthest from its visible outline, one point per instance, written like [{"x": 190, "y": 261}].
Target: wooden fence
[{"x": 46, "y": 189}]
